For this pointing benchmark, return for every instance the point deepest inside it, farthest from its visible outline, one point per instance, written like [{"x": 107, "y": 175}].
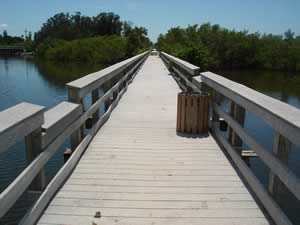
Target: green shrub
[
  {"x": 104, "y": 49},
  {"x": 214, "y": 47}
]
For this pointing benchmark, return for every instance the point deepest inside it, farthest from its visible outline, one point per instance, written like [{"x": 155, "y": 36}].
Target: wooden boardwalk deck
[{"x": 137, "y": 171}]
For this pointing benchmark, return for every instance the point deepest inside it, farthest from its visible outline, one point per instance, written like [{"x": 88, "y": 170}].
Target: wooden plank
[
  {"x": 124, "y": 170},
  {"x": 153, "y": 190},
  {"x": 167, "y": 177},
  {"x": 194, "y": 116},
  {"x": 161, "y": 159},
  {"x": 284, "y": 118},
  {"x": 79, "y": 220},
  {"x": 57, "y": 119},
  {"x": 19, "y": 121},
  {"x": 154, "y": 197},
  {"x": 154, "y": 204},
  {"x": 156, "y": 213},
  {"x": 138, "y": 171},
  {"x": 166, "y": 168},
  {"x": 159, "y": 163},
  {"x": 188, "y": 114},
  {"x": 190, "y": 153}
]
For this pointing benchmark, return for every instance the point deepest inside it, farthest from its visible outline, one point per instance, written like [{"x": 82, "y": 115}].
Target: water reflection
[
  {"x": 284, "y": 86},
  {"x": 43, "y": 83},
  {"x": 62, "y": 73}
]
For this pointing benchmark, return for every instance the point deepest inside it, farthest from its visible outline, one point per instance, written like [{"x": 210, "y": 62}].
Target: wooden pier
[{"x": 131, "y": 168}]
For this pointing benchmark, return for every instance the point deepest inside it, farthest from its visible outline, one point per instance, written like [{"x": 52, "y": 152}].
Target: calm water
[
  {"x": 39, "y": 83},
  {"x": 44, "y": 84}
]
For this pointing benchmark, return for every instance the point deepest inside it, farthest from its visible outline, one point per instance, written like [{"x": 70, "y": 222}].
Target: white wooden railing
[
  {"x": 283, "y": 118},
  {"x": 45, "y": 131}
]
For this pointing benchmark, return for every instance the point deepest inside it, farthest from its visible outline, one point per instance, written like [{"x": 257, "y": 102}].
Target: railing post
[
  {"x": 76, "y": 136},
  {"x": 215, "y": 99},
  {"x": 116, "y": 93},
  {"x": 95, "y": 98},
  {"x": 238, "y": 113},
  {"x": 105, "y": 87},
  {"x": 281, "y": 149},
  {"x": 33, "y": 143}
]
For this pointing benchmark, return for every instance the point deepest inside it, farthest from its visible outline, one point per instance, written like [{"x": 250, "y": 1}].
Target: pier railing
[
  {"x": 283, "y": 118},
  {"x": 45, "y": 131}
]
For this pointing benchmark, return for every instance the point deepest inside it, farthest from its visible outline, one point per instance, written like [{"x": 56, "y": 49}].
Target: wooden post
[
  {"x": 115, "y": 94},
  {"x": 33, "y": 143},
  {"x": 95, "y": 98},
  {"x": 189, "y": 78},
  {"x": 130, "y": 75},
  {"x": 106, "y": 86},
  {"x": 76, "y": 137},
  {"x": 281, "y": 149},
  {"x": 237, "y": 113},
  {"x": 215, "y": 99}
]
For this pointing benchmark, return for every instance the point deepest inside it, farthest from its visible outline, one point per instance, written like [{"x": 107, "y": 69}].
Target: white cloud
[{"x": 3, "y": 25}]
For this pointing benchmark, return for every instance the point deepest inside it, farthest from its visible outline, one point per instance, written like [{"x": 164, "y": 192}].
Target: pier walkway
[{"x": 137, "y": 171}]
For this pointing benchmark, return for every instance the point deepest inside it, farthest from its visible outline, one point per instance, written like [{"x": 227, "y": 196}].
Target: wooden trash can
[{"x": 193, "y": 113}]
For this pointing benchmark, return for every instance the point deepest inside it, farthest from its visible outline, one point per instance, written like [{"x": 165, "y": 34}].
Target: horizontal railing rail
[
  {"x": 45, "y": 132},
  {"x": 283, "y": 118},
  {"x": 191, "y": 69},
  {"x": 18, "y": 122},
  {"x": 183, "y": 71},
  {"x": 88, "y": 83}
]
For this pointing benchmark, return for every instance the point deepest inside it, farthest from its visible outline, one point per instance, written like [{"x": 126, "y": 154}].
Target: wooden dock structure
[{"x": 131, "y": 167}]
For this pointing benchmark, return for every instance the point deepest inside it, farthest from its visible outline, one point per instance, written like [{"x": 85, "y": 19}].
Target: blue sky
[{"x": 270, "y": 16}]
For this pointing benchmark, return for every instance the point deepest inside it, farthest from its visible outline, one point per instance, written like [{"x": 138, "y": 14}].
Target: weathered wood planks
[{"x": 138, "y": 171}]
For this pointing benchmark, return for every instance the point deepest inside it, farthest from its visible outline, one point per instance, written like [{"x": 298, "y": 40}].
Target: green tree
[
  {"x": 289, "y": 35},
  {"x": 214, "y": 47}
]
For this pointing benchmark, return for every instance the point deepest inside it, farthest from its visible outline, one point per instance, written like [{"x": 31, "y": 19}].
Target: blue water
[{"x": 38, "y": 83}]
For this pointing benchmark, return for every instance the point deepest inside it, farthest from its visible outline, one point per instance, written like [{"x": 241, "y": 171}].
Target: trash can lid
[{"x": 193, "y": 93}]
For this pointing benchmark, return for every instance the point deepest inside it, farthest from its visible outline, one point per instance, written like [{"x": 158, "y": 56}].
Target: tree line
[
  {"x": 102, "y": 38},
  {"x": 65, "y": 34},
  {"x": 6, "y": 39},
  {"x": 215, "y": 47}
]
